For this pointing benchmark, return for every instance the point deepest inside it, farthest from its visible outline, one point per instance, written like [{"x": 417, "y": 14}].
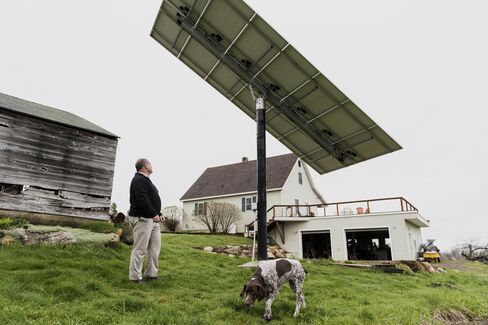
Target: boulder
[
  {"x": 279, "y": 254},
  {"x": 6, "y": 240},
  {"x": 208, "y": 249},
  {"x": 428, "y": 267},
  {"x": 415, "y": 266},
  {"x": 54, "y": 237},
  {"x": 271, "y": 256},
  {"x": 232, "y": 251}
]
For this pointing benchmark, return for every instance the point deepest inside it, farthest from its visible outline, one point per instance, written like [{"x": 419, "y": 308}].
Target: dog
[{"x": 269, "y": 277}]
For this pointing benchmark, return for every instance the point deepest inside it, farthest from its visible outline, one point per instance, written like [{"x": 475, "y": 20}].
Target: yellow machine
[{"x": 429, "y": 252}]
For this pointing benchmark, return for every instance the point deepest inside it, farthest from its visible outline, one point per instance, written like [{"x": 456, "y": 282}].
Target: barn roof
[
  {"x": 51, "y": 114},
  {"x": 240, "y": 177}
]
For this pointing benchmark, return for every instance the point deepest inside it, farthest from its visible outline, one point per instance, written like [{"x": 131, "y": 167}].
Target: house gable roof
[
  {"x": 50, "y": 114},
  {"x": 240, "y": 177}
]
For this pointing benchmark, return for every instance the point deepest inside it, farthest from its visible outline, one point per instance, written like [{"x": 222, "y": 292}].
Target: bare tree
[
  {"x": 172, "y": 217},
  {"x": 200, "y": 214},
  {"x": 217, "y": 215},
  {"x": 474, "y": 252},
  {"x": 226, "y": 214}
]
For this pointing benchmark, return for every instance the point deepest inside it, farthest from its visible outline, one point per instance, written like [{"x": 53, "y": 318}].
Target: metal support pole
[{"x": 261, "y": 174}]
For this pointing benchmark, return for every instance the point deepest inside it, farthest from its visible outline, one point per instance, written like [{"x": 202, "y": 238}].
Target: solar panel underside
[{"x": 243, "y": 35}]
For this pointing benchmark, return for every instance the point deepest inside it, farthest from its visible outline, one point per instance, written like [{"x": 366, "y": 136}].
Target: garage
[
  {"x": 368, "y": 244},
  {"x": 316, "y": 244}
]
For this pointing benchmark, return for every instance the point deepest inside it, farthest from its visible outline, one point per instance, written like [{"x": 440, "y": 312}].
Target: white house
[
  {"x": 300, "y": 221},
  {"x": 379, "y": 229},
  {"x": 288, "y": 182}
]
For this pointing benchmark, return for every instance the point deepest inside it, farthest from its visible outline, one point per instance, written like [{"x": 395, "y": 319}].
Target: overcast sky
[{"x": 418, "y": 68}]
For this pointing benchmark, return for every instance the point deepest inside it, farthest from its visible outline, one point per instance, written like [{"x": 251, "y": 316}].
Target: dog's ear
[
  {"x": 262, "y": 293},
  {"x": 243, "y": 291}
]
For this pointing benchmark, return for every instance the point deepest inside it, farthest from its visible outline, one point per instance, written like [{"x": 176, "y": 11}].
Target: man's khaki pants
[{"x": 147, "y": 241}]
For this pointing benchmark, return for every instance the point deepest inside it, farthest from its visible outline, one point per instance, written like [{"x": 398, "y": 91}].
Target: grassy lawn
[{"x": 87, "y": 284}]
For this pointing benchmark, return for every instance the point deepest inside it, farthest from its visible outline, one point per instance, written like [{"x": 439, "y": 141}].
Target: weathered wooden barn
[{"x": 53, "y": 164}]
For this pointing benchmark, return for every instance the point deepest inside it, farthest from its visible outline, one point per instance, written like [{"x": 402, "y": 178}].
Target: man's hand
[{"x": 156, "y": 219}]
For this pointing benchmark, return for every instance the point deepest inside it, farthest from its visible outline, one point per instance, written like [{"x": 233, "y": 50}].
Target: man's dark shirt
[{"x": 144, "y": 197}]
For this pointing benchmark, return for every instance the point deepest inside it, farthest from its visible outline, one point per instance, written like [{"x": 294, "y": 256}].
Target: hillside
[{"x": 87, "y": 284}]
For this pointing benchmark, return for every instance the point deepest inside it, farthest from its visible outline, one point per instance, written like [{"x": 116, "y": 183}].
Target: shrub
[
  {"x": 6, "y": 223},
  {"x": 217, "y": 215},
  {"x": 99, "y": 226},
  {"x": 171, "y": 224},
  {"x": 173, "y": 216}
]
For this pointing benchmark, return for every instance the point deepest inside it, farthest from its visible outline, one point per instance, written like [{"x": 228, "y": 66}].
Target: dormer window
[{"x": 300, "y": 178}]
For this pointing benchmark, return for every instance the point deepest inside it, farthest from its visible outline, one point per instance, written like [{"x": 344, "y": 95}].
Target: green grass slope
[{"x": 87, "y": 284}]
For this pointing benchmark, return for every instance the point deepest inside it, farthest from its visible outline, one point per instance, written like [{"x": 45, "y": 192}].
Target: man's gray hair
[{"x": 141, "y": 162}]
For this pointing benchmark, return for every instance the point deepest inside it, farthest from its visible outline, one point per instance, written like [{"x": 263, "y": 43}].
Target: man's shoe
[
  {"x": 137, "y": 281},
  {"x": 153, "y": 278}
]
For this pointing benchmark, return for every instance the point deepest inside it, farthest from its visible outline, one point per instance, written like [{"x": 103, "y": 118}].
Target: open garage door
[
  {"x": 316, "y": 244},
  {"x": 368, "y": 244}
]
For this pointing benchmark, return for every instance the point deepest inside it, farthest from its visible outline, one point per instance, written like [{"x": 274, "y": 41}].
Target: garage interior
[
  {"x": 368, "y": 244},
  {"x": 316, "y": 244}
]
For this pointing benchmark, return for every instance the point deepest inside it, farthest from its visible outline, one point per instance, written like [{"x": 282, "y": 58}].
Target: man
[{"x": 144, "y": 215}]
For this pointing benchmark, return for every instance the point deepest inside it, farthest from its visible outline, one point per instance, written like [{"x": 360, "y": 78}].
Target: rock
[
  {"x": 428, "y": 267},
  {"x": 127, "y": 235},
  {"x": 118, "y": 232},
  {"x": 441, "y": 270},
  {"x": 414, "y": 266},
  {"x": 405, "y": 268},
  {"x": 113, "y": 244},
  {"x": 271, "y": 256},
  {"x": 278, "y": 254},
  {"x": 208, "y": 249},
  {"x": 55, "y": 237},
  {"x": 232, "y": 251},
  {"x": 6, "y": 240},
  {"x": 232, "y": 255}
]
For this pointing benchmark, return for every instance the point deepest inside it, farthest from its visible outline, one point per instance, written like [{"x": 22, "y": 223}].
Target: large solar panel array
[{"x": 231, "y": 47}]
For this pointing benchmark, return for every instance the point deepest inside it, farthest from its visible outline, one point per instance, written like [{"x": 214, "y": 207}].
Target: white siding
[
  {"x": 292, "y": 190},
  {"x": 273, "y": 198},
  {"x": 395, "y": 222}
]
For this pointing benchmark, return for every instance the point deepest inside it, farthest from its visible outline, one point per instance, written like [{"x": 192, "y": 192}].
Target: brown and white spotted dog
[{"x": 269, "y": 277}]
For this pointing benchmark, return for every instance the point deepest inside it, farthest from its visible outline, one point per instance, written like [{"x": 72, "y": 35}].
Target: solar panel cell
[{"x": 231, "y": 47}]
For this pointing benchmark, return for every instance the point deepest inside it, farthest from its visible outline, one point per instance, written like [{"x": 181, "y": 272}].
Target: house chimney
[{"x": 244, "y": 159}]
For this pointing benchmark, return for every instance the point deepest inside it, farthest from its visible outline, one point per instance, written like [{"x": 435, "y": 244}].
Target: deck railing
[{"x": 383, "y": 205}]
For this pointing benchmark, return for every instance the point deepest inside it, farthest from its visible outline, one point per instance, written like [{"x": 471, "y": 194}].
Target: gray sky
[{"x": 418, "y": 68}]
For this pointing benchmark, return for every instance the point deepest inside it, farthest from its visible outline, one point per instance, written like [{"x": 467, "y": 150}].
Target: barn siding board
[
  {"x": 43, "y": 205},
  {"x": 47, "y": 155},
  {"x": 59, "y": 136},
  {"x": 69, "y": 170}
]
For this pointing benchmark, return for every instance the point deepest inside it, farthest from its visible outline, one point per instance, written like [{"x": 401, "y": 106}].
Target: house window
[
  {"x": 200, "y": 209},
  {"x": 247, "y": 203},
  {"x": 299, "y": 163},
  {"x": 300, "y": 178}
]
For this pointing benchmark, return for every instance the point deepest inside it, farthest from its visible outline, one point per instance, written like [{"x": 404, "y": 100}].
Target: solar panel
[{"x": 231, "y": 47}]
